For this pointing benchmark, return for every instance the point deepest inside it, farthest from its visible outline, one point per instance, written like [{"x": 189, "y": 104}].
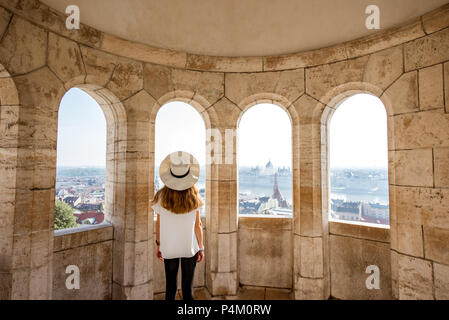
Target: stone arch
[
  {"x": 324, "y": 114},
  {"x": 10, "y": 127},
  {"x": 123, "y": 209},
  {"x": 191, "y": 98},
  {"x": 116, "y": 124},
  {"x": 284, "y": 275},
  {"x": 269, "y": 98}
]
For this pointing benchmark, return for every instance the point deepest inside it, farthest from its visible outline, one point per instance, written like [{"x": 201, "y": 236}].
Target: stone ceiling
[{"x": 241, "y": 27}]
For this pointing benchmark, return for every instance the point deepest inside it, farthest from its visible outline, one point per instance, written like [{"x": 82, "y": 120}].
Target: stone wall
[
  {"x": 407, "y": 67},
  {"x": 353, "y": 248},
  {"x": 265, "y": 252},
  {"x": 90, "y": 249}
]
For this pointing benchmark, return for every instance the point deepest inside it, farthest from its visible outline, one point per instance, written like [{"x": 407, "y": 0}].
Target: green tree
[
  {"x": 101, "y": 207},
  {"x": 64, "y": 218}
]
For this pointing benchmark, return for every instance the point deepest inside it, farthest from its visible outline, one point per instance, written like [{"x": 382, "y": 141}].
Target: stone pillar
[
  {"x": 31, "y": 189},
  {"x": 133, "y": 225},
  {"x": 310, "y": 261},
  {"x": 222, "y": 209}
]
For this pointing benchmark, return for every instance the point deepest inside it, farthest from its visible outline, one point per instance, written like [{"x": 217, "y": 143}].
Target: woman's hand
[
  {"x": 159, "y": 254},
  {"x": 200, "y": 256}
]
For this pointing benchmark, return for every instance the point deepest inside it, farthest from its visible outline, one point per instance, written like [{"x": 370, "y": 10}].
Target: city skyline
[{"x": 82, "y": 133}]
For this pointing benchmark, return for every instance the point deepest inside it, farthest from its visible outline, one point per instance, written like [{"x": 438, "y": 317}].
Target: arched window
[
  {"x": 264, "y": 158},
  {"x": 359, "y": 161},
  {"x": 179, "y": 127},
  {"x": 81, "y": 161}
]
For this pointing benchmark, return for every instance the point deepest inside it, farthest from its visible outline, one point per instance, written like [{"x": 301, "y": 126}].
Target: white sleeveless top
[{"x": 177, "y": 233}]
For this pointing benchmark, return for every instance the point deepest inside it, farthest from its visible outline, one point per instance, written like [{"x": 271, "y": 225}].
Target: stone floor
[{"x": 244, "y": 293}]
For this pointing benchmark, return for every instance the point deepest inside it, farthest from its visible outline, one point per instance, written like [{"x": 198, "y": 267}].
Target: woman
[{"x": 179, "y": 234}]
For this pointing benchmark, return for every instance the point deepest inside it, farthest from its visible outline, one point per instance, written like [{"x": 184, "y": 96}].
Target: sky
[
  {"x": 358, "y": 133},
  {"x": 265, "y": 134},
  {"x": 179, "y": 127},
  {"x": 81, "y": 131}
]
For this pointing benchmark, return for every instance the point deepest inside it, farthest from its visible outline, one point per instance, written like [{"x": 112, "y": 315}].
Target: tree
[
  {"x": 64, "y": 218},
  {"x": 101, "y": 207}
]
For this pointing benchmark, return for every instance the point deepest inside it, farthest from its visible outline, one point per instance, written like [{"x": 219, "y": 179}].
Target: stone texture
[
  {"x": 64, "y": 59},
  {"x": 441, "y": 275},
  {"x": 95, "y": 264},
  {"x": 431, "y": 91},
  {"x": 245, "y": 88},
  {"x": 360, "y": 231},
  {"x": 441, "y": 165},
  {"x": 265, "y": 245},
  {"x": 436, "y": 20},
  {"x": 413, "y": 167},
  {"x": 305, "y": 59},
  {"x": 138, "y": 108},
  {"x": 427, "y": 51},
  {"x": 421, "y": 130},
  {"x": 99, "y": 65},
  {"x": 222, "y": 283},
  {"x": 251, "y": 293},
  {"x": 278, "y": 294},
  {"x": 23, "y": 48},
  {"x": 157, "y": 80},
  {"x": 446, "y": 86},
  {"x": 5, "y": 18},
  {"x": 127, "y": 78},
  {"x": 384, "y": 67},
  {"x": 207, "y": 87},
  {"x": 410, "y": 239},
  {"x": 224, "y": 64},
  {"x": 403, "y": 94},
  {"x": 436, "y": 241},
  {"x": 137, "y": 51},
  {"x": 224, "y": 114},
  {"x": 385, "y": 39},
  {"x": 40, "y": 88},
  {"x": 425, "y": 206},
  {"x": 48, "y": 18},
  {"x": 311, "y": 259},
  {"x": 415, "y": 278},
  {"x": 309, "y": 289},
  {"x": 323, "y": 81},
  {"x": 8, "y": 92},
  {"x": 349, "y": 258}
]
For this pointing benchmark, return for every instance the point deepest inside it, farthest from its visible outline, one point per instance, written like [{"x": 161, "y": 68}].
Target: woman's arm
[
  {"x": 199, "y": 235},
  {"x": 158, "y": 237}
]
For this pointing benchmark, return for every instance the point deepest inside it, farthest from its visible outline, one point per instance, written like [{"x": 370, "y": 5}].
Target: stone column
[
  {"x": 133, "y": 234},
  {"x": 310, "y": 261},
  {"x": 33, "y": 185},
  {"x": 222, "y": 209}
]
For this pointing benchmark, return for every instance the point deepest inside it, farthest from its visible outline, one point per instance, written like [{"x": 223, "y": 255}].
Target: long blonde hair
[{"x": 178, "y": 201}]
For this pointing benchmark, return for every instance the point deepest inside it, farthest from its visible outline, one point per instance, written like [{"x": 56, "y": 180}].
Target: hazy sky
[
  {"x": 82, "y": 131},
  {"x": 179, "y": 127},
  {"x": 358, "y": 133},
  {"x": 265, "y": 133}
]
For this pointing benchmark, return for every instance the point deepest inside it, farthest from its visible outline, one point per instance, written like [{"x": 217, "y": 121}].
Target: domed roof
[{"x": 241, "y": 28}]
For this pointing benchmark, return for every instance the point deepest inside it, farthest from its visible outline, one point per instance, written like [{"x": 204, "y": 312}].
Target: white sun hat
[{"x": 179, "y": 171}]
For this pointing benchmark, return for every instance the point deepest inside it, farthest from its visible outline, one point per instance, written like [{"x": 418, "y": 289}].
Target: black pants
[{"x": 171, "y": 277}]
